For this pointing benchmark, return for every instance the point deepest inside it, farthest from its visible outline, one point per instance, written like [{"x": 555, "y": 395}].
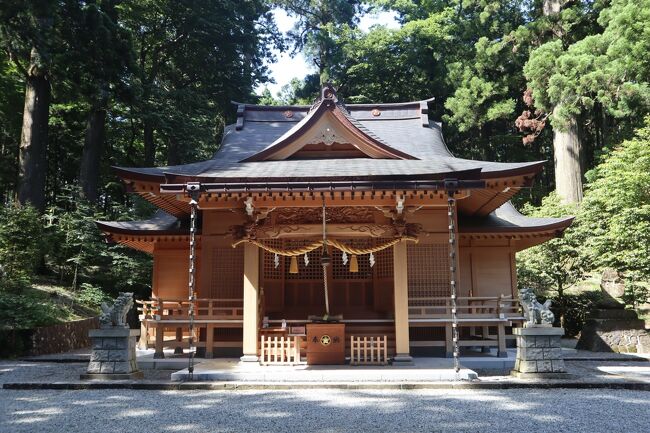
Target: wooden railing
[
  {"x": 178, "y": 309},
  {"x": 479, "y": 313},
  {"x": 368, "y": 350},
  {"x": 475, "y": 307},
  {"x": 165, "y": 322},
  {"x": 279, "y": 350}
]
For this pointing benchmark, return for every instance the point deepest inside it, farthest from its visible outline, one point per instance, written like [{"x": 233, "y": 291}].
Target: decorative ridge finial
[{"x": 328, "y": 92}]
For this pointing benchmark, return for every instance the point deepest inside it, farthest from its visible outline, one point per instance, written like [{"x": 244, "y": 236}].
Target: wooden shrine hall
[{"x": 331, "y": 232}]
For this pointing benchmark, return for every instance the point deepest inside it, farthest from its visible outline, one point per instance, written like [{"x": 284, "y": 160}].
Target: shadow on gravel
[{"x": 325, "y": 410}]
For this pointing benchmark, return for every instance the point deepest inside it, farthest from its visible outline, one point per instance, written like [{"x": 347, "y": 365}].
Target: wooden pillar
[
  {"x": 143, "y": 341},
  {"x": 209, "y": 340},
  {"x": 401, "y": 296},
  {"x": 501, "y": 340},
  {"x": 160, "y": 341},
  {"x": 251, "y": 293}
]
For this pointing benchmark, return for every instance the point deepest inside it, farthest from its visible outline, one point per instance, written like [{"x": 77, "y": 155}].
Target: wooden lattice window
[
  {"x": 269, "y": 271},
  {"x": 428, "y": 272},
  {"x": 384, "y": 262},
  {"x": 227, "y": 273},
  {"x": 313, "y": 271},
  {"x": 342, "y": 271}
]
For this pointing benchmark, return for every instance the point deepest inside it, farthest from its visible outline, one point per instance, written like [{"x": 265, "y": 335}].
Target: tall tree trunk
[
  {"x": 568, "y": 155},
  {"x": 568, "y": 152},
  {"x": 92, "y": 153},
  {"x": 149, "y": 144},
  {"x": 173, "y": 151},
  {"x": 32, "y": 164}
]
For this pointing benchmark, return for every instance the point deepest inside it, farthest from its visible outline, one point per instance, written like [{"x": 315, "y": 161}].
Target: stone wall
[
  {"x": 539, "y": 350},
  {"x": 614, "y": 331},
  {"x": 61, "y": 338}
]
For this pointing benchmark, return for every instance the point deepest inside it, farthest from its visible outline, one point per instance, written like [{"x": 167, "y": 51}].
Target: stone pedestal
[
  {"x": 614, "y": 330},
  {"x": 539, "y": 353},
  {"x": 113, "y": 355}
]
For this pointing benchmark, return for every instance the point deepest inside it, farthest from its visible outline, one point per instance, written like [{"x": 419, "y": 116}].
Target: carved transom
[
  {"x": 327, "y": 137},
  {"x": 335, "y": 215}
]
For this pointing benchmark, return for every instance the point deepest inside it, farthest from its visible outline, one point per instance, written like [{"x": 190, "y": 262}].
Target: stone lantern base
[
  {"x": 539, "y": 353},
  {"x": 113, "y": 355}
]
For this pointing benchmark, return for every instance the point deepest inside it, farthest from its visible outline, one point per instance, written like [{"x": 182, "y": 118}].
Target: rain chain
[
  {"x": 192, "y": 283},
  {"x": 453, "y": 260}
]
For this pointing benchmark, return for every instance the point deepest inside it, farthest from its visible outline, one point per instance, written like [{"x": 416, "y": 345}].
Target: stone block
[
  {"x": 97, "y": 343},
  {"x": 109, "y": 343},
  {"x": 115, "y": 343},
  {"x": 99, "y": 355},
  {"x": 536, "y": 331},
  {"x": 542, "y": 342},
  {"x": 122, "y": 367},
  {"x": 94, "y": 367},
  {"x": 107, "y": 367},
  {"x": 552, "y": 353},
  {"x": 544, "y": 367},
  {"x": 527, "y": 366},
  {"x": 118, "y": 355},
  {"x": 531, "y": 353},
  {"x": 557, "y": 366}
]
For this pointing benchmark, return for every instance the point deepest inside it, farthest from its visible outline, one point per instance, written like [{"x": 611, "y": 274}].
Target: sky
[{"x": 286, "y": 67}]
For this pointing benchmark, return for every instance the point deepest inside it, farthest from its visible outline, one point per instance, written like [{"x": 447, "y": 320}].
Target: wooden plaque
[{"x": 325, "y": 343}]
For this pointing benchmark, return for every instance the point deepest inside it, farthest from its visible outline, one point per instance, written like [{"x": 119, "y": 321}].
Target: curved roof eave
[{"x": 507, "y": 219}]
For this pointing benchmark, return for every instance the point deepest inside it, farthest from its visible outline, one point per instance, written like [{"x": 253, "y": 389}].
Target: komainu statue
[
  {"x": 115, "y": 315},
  {"x": 534, "y": 312}
]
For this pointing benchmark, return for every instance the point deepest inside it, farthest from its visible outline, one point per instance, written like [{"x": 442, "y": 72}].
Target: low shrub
[
  {"x": 91, "y": 296},
  {"x": 573, "y": 310}
]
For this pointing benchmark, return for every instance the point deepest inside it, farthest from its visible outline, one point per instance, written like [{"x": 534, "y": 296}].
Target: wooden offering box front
[{"x": 325, "y": 343}]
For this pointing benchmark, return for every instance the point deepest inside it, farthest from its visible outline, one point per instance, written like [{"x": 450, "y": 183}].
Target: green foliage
[
  {"x": 554, "y": 265},
  {"x": 609, "y": 68},
  {"x": 29, "y": 311},
  {"x": 320, "y": 27},
  {"x": 20, "y": 246},
  {"x": 92, "y": 296},
  {"x": 11, "y": 89},
  {"x": 614, "y": 221},
  {"x": 612, "y": 229},
  {"x": 574, "y": 309},
  {"x": 78, "y": 254},
  {"x": 193, "y": 59}
]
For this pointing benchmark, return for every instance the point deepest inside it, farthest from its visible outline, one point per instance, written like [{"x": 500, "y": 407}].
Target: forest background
[{"x": 87, "y": 85}]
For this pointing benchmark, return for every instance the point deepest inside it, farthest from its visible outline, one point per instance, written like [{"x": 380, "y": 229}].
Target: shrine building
[{"x": 332, "y": 233}]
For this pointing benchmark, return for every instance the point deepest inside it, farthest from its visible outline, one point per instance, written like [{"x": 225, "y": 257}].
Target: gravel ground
[
  {"x": 49, "y": 372},
  {"x": 581, "y": 371},
  {"x": 511, "y": 410}
]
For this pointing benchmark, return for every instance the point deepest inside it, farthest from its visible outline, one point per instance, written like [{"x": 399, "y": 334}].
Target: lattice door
[
  {"x": 428, "y": 272},
  {"x": 227, "y": 279}
]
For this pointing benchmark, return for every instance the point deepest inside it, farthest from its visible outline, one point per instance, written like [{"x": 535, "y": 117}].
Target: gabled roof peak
[{"x": 328, "y": 131}]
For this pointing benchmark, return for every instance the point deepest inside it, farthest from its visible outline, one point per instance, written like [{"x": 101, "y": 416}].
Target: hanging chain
[
  {"x": 325, "y": 263},
  {"x": 453, "y": 261},
  {"x": 194, "y": 191}
]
